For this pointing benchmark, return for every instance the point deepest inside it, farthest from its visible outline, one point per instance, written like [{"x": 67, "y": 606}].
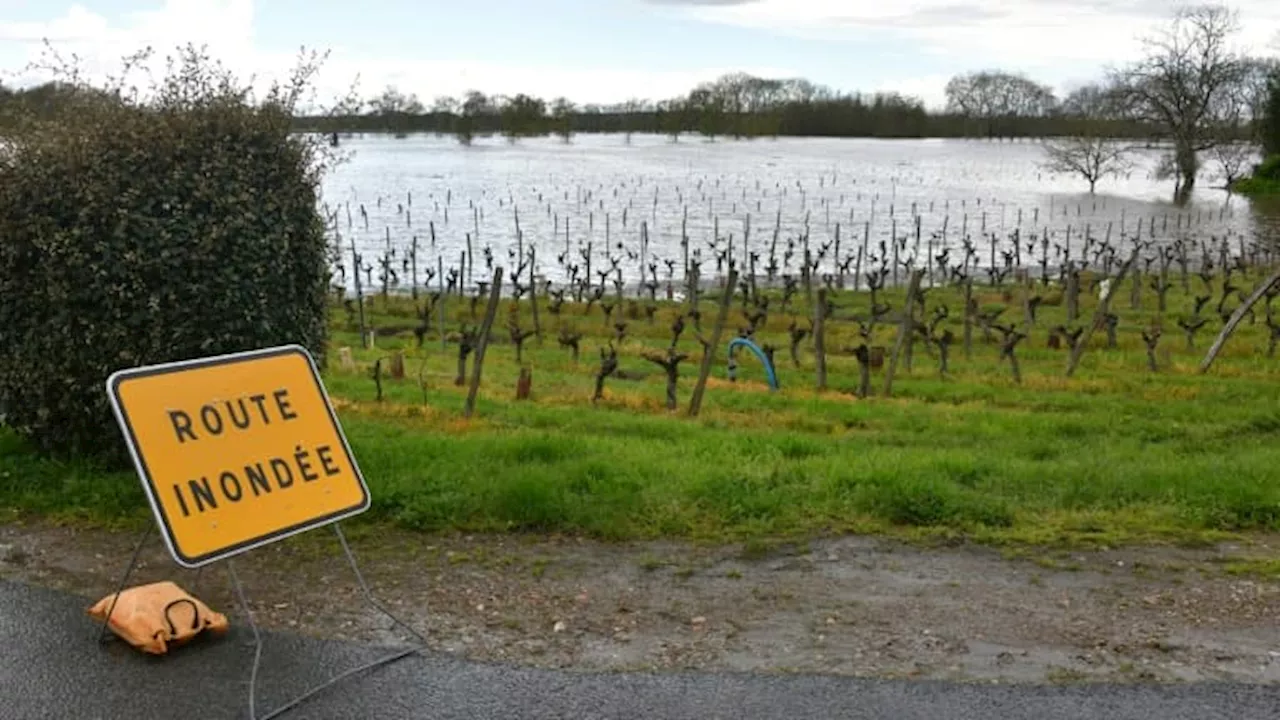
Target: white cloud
[
  {"x": 226, "y": 27},
  {"x": 78, "y": 25},
  {"x": 1057, "y": 41},
  {"x": 1013, "y": 33},
  {"x": 1054, "y": 41}
]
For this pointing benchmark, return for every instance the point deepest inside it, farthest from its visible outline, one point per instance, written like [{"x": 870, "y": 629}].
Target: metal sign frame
[{"x": 122, "y": 417}]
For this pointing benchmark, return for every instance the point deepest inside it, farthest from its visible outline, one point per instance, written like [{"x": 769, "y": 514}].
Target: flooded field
[{"x": 420, "y": 203}]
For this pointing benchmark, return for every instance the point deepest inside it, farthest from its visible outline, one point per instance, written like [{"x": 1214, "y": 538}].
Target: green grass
[
  {"x": 1264, "y": 181},
  {"x": 1254, "y": 567},
  {"x": 1116, "y": 454},
  {"x": 1256, "y": 186}
]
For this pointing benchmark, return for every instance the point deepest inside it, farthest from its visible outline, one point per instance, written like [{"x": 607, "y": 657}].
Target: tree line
[
  {"x": 735, "y": 106},
  {"x": 1192, "y": 91}
]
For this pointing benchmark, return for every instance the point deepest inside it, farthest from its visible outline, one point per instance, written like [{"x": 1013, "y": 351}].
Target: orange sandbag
[{"x": 153, "y": 617}]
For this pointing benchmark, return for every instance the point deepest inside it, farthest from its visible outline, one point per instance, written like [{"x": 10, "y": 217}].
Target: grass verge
[{"x": 1117, "y": 454}]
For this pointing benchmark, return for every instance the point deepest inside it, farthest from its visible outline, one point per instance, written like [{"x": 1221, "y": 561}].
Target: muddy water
[{"x": 601, "y": 191}]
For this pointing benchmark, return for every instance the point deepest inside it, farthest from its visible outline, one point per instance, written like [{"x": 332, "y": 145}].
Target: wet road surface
[{"x": 52, "y": 667}]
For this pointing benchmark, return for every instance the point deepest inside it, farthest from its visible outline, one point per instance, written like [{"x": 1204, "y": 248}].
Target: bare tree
[
  {"x": 1088, "y": 150},
  {"x": 444, "y": 107},
  {"x": 1254, "y": 92},
  {"x": 1185, "y": 83},
  {"x": 393, "y": 102},
  {"x": 1234, "y": 159},
  {"x": 395, "y": 109},
  {"x": 630, "y": 110},
  {"x": 1241, "y": 116},
  {"x": 1094, "y": 102},
  {"x": 991, "y": 95},
  {"x": 1089, "y": 155}
]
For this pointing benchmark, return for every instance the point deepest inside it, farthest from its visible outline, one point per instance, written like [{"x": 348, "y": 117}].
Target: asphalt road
[{"x": 52, "y": 667}]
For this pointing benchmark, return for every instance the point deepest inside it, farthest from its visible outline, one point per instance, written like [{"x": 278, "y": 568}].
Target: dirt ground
[{"x": 858, "y": 606}]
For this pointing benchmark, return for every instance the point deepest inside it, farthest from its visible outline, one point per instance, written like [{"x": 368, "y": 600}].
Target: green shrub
[
  {"x": 1264, "y": 181},
  {"x": 1268, "y": 169},
  {"x": 139, "y": 228}
]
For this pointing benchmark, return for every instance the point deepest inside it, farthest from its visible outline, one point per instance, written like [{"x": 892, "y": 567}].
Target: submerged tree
[
  {"x": 523, "y": 116},
  {"x": 475, "y": 105},
  {"x": 395, "y": 110},
  {"x": 1090, "y": 156},
  {"x": 1185, "y": 84},
  {"x": 562, "y": 118},
  {"x": 1089, "y": 150},
  {"x": 1234, "y": 160}
]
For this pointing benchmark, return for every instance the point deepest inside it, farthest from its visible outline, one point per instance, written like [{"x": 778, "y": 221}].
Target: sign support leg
[
  {"x": 257, "y": 638},
  {"x": 133, "y": 562},
  {"x": 364, "y": 587}
]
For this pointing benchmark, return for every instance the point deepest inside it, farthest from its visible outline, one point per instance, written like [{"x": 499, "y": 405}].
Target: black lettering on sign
[
  {"x": 260, "y": 401},
  {"x": 241, "y": 421},
  {"x": 202, "y": 493},
  {"x": 231, "y": 486},
  {"x": 257, "y": 479},
  {"x": 285, "y": 480},
  {"x": 214, "y": 421},
  {"x": 177, "y": 490},
  {"x": 181, "y": 425},
  {"x": 211, "y": 419},
  {"x": 326, "y": 460},
  {"x": 300, "y": 456},
  {"x": 282, "y": 403}
]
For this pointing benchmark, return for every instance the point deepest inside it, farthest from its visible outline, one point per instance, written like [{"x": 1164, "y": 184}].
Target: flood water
[{"x": 601, "y": 192}]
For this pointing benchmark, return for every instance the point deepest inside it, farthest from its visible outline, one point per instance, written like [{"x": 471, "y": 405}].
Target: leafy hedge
[{"x": 143, "y": 229}]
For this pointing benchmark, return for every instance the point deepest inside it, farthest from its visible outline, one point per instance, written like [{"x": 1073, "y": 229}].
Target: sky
[{"x": 607, "y": 51}]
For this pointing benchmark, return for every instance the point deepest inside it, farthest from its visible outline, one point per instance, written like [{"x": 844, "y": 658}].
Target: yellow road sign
[{"x": 237, "y": 451}]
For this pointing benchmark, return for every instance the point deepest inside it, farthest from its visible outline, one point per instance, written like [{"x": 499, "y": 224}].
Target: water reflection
[{"x": 1265, "y": 213}]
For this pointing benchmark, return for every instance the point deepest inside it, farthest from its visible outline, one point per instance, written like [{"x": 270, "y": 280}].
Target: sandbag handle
[{"x": 195, "y": 615}]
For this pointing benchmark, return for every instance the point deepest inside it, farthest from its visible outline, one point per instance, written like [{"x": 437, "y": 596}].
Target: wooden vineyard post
[
  {"x": 1099, "y": 316},
  {"x": 355, "y": 264},
  {"x": 1073, "y": 293},
  {"x": 495, "y": 294},
  {"x": 443, "y": 298},
  {"x": 533, "y": 293},
  {"x": 904, "y": 331},
  {"x": 708, "y": 355},
  {"x": 1028, "y": 317},
  {"x": 1236, "y": 317},
  {"x": 968, "y": 318},
  {"x": 819, "y": 340}
]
